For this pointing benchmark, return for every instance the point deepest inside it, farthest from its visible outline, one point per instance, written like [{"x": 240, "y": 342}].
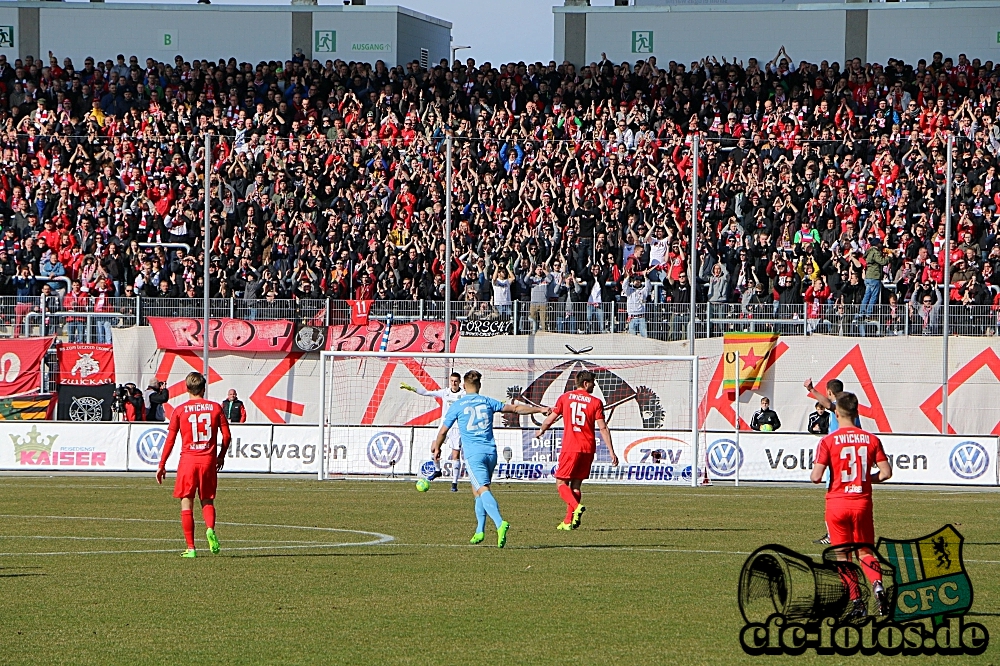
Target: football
[{"x": 423, "y": 485}]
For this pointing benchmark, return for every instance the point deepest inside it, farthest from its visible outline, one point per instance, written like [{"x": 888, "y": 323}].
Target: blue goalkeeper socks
[
  {"x": 480, "y": 516},
  {"x": 491, "y": 507}
]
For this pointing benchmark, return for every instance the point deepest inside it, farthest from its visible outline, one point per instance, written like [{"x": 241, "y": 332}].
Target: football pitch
[{"x": 373, "y": 572}]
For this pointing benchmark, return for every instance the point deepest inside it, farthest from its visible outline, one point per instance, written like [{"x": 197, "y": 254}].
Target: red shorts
[
  {"x": 850, "y": 523},
  {"x": 196, "y": 477},
  {"x": 574, "y": 465}
]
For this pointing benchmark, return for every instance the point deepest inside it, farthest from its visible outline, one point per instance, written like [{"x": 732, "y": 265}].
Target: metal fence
[{"x": 29, "y": 316}]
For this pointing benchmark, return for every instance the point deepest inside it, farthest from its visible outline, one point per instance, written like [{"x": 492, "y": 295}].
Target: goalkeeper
[
  {"x": 447, "y": 396},
  {"x": 474, "y": 415}
]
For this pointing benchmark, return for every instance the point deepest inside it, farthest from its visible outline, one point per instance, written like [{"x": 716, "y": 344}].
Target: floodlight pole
[
  {"x": 946, "y": 295},
  {"x": 693, "y": 250},
  {"x": 447, "y": 248},
  {"x": 207, "y": 249}
]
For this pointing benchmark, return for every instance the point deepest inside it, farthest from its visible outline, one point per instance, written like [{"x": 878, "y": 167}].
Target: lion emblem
[{"x": 86, "y": 365}]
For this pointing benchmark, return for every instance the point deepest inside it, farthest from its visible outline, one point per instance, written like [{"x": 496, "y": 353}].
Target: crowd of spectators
[{"x": 821, "y": 185}]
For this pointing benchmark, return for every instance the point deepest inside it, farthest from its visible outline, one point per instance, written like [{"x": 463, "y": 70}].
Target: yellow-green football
[{"x": 423, "y": 485}]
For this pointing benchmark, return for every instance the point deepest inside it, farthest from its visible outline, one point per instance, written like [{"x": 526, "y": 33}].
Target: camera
[{"x": 118, "y": 397}]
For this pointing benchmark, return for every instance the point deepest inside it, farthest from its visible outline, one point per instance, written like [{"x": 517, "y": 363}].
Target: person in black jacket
[
  {"x": 765, "y": 419},
  {"x": 233, "y": 408},
  {"x": 819, "y": 421},
  {"x": 156, "y": 395}
]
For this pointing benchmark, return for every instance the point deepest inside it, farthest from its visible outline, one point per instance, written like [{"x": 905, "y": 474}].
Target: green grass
[{"x": 626, "y": 588}]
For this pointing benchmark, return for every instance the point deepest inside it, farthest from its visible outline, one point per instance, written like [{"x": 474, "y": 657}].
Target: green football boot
[
  {"x": 477, "y": 538},
  {"x": 213, "y": 541},
  {"x": 502, "y": 534}
]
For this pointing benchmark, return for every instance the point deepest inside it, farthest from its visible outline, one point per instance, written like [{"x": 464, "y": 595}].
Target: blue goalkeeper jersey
[{"x": 474, "y": 414}]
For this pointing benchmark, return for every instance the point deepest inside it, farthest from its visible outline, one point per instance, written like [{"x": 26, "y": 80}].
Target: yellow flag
[{"x": 753, "y": 350}]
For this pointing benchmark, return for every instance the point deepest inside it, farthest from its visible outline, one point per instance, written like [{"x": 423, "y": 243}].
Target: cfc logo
[
  {"x": 384, "y": 449},
  {"x": 724, "y": 457},
  {"x": 149, "y": 447},
  {"x": 969, "y": 460}
]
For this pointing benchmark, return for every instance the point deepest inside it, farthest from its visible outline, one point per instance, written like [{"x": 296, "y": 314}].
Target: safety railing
[{"x": 29, "y": 316}]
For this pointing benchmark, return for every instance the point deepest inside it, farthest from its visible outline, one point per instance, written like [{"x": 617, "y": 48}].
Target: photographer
[
  {"x": 154, "y": 397},
  {"x": 131, "y": 402}
]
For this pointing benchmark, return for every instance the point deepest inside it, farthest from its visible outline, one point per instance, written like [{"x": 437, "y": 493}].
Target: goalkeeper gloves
[{"x": 407, "y": 387}]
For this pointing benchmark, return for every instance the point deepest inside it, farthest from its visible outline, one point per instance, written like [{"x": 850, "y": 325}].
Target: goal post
[{"x": 371, "y": 426}]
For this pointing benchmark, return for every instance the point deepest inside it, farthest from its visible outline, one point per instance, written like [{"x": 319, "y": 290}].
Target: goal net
[{"x": 371, "y": 425}]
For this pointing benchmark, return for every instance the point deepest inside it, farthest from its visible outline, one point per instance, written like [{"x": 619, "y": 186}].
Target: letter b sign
[{"x": 167, "y": 40}]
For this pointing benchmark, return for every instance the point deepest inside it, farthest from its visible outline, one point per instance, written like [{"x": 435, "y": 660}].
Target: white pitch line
[
  {"x": 176, "y": 550},
  {"x": 109, "y": 538},
  {"x": 568, "y": 547},
  {"x": 379, "y": 538}
]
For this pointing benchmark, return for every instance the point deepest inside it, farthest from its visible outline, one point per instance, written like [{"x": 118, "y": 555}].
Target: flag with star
[{"x": 753, "y": 350}]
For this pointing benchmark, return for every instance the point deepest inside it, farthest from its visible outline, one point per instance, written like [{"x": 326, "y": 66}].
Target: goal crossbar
[{"x": 447, "y": 357}]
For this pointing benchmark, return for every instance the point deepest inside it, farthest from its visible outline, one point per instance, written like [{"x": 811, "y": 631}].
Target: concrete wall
[
  {"x": 949, "y": 27},
  {"x": 248, "y": 33},
  {"x": 810, "y": 31}
]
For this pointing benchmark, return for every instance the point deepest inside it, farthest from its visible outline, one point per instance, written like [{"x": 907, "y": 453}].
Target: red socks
[
  {"x": 870, "y": 565},
  {"x": 187, "y": 524},
  {"x": 572, "y": 499},
  {"x": 208, "y": 513}
]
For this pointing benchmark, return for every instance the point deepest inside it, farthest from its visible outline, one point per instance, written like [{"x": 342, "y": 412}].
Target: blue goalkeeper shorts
[{"x": 480, "y": 467}]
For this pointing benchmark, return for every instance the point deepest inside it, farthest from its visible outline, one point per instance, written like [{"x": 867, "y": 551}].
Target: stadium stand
[{"x": 820, "y": 208}]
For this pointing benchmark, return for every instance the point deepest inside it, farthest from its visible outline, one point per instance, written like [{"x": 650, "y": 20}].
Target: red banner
[
  {"x": 21, "y": 365},
  {"x": 85, "y": 365},
  {"x": 411, "y": 336},
  {"x": 182, "y": 334},
  {"x": 359, "y": 312}
]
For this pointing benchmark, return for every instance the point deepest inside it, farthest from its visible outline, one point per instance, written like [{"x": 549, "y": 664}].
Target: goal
[{"x": 370, "y": 426}]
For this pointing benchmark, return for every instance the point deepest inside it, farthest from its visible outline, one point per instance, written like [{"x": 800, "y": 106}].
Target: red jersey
[
  {"x": 580, "y": 411},
  {"x": 850, "y": 454},
  {"x": 199, "y": 422}
]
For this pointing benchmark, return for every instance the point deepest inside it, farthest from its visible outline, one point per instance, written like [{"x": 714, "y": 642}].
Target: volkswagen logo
[
  {"x": 724, "y": 457},
  {"x": 969, "y": 460},
  {"x": 150, "y": 445},
  {"x": 384, "y": 449}
]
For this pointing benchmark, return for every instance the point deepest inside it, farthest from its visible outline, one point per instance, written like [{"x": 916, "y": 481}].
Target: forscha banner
[{"x": 646, "y": 457}]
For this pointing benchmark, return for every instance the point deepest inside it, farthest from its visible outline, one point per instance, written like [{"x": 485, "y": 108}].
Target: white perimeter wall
[
  {"x": 249, "y": 36},
  {"x": 689, "y": 34},
  {"x": 247, "y": 33},
  {"x": 923, "y": 29},
  {"x": 812, "y": 32}
]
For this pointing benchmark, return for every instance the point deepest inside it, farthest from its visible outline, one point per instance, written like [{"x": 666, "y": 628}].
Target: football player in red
[
  {"x": 582, "y": 414},
  {"x": 850, "y": 453},
  {"x": 199, "y": 421}
]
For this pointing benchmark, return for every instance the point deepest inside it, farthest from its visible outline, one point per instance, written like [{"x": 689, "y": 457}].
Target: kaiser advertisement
[{"x": 44, "y": 445}]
